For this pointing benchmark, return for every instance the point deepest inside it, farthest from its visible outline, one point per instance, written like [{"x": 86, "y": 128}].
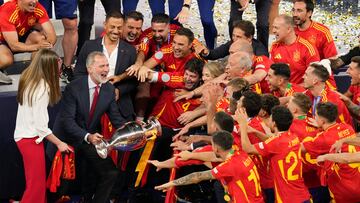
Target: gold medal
[{"x": 227, "y": 197}]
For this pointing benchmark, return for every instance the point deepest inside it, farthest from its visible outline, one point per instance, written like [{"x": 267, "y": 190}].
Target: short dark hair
[
  {"x": 246, "y": 26},
  {"x": 302, "y": 101},
  {"x": 309, "y": 4},
  {"x": 252, "y": 103},
  {"x": 160, "y": 18},
  {"x": 356, "y": 59},
  {"x": 320, "y": 71},
  {"x": 281, "y": 69},
  {"x": 136, "y": 15},
  {"x": 223, "y": 139},
  {"x": 282, "y": 117},
  {"x": 327, "y": 110},
  {"x": 114, "y": 14},
  {"x": 195, "y": 65},
  {"x": 268, "y": 101},
  {"x": 186, "y": 32},
  {"x": 224, "y": 121}
]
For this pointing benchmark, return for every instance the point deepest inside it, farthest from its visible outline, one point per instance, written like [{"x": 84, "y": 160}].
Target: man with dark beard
[{"x": 316, "y": 33}]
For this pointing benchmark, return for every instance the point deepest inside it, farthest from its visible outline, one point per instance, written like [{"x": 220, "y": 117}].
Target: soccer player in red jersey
[
  {"x": 342, "y": 179},
  {"x": 167, "y": 111},
  {"x": 251, "y": 103},
  {"x": 283, "y": 150},
  {"x": 303, "y": 126},
  {"x": 315, "y": 82},
  {"x": 237, "y": 173},
  {"x": 17, "y": 18},
  {"x": 173, "y": 57},
  {"x": 316, "y": 33},
  {"x": 293, "y": 50},
  {"x": 354, "y": 71},
  {"x": 161, "y": 33},
  {"x": 278, "y": 79}
]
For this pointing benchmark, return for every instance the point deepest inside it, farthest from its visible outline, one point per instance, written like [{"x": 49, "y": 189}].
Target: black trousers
[
  {"x": 98, "y": 175},
  {"x": 262, "y": 23},
  {"x": 86, "y": 15}
]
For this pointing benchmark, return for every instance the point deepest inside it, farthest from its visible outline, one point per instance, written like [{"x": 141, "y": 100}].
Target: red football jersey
[
  {"x": 328, "y": 95},
  {"x": 239, "y": 176},
  {"x": 149, "y": 46},
  {"x": 320, "y": 37},
  {"x": 342, "y": 179},
  {"x": 262, "y": 63},
  {"x": 291, "y": 88},
  {"x": 166, "y": 58},
  {"x": 301, "y": 126},
  {"x": 297, "y": 55},
  {"x": 167, "y": 111},
  {"x": 285, "y": 161},
  {"x": 355, "y": 91},
  {"x": 262, "y": 163},
  {"x": 13, "y": 19},
  {"x": 223, "y": 105}
]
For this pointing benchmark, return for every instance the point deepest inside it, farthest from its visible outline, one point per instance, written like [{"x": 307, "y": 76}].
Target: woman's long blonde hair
[
  {"x": 43, "y": 66},
  {"x": 214, "y": 68}
]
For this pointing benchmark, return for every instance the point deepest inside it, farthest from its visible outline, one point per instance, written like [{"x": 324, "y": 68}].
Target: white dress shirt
[
  {"x": 32, "y": 121},
  {"x": 112, "y": 58}
]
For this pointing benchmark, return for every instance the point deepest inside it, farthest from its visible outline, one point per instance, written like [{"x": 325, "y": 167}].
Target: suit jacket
[
  {"x": 125, "y": 58},
  {"x": 71, "y": 124}
]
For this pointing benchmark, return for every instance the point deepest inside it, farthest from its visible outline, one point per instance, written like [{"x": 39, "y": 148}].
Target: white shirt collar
[
  {"x": 103, "y": 42},
  {"x": 91, "y": 83}
]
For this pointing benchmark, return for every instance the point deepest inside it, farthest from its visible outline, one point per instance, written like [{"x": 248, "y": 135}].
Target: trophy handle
[{"x": 102, "y": 149}]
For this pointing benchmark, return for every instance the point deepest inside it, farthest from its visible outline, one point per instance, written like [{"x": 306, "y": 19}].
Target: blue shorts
[{"x": 63, "y": 8}]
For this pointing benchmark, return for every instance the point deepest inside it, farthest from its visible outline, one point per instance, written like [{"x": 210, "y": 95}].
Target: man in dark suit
[
  {"x": 120, "y": 55},
  {"x": 84, "y": 101}
]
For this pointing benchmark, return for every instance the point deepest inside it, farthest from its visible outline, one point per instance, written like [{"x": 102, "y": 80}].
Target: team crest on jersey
[
  {"x": 312, "y": 39},
  {"x": 296, "y": 56},
  {"x": 31, "y": 20},
  {"x": 165, "y": 77},
  {"x": 159, "y": 55},
  {"x": 145, "y": 40}
]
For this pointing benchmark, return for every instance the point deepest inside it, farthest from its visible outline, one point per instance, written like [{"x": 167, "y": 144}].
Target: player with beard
[
  {"x": 165, "y": 110},
  {"x": 278, "y": 80},
  {"x": 237, "y": 173},
  {"x": 173, "y": 57},
  {"x": 17, "y": 19},
  {"x": 315, "y": 79},
  {"x": 316, "y": 33}
]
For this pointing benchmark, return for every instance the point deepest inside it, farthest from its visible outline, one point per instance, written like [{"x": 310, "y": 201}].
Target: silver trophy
[{"x": 131, "y": 136}]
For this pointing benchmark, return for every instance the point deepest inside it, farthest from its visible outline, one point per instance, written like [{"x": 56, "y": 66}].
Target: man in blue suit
[
  {"x": 84, "y": 102},
  {"x": 120, "y": 55}
]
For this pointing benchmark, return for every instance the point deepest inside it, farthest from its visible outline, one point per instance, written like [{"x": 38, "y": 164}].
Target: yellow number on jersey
[{"x": 290, "y": 158}]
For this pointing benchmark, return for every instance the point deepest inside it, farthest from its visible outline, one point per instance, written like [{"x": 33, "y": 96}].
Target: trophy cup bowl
[{"x": 131, "y": 136}]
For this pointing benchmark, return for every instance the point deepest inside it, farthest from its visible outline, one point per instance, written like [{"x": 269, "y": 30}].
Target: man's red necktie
[{"x": 93, "y": 104}]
